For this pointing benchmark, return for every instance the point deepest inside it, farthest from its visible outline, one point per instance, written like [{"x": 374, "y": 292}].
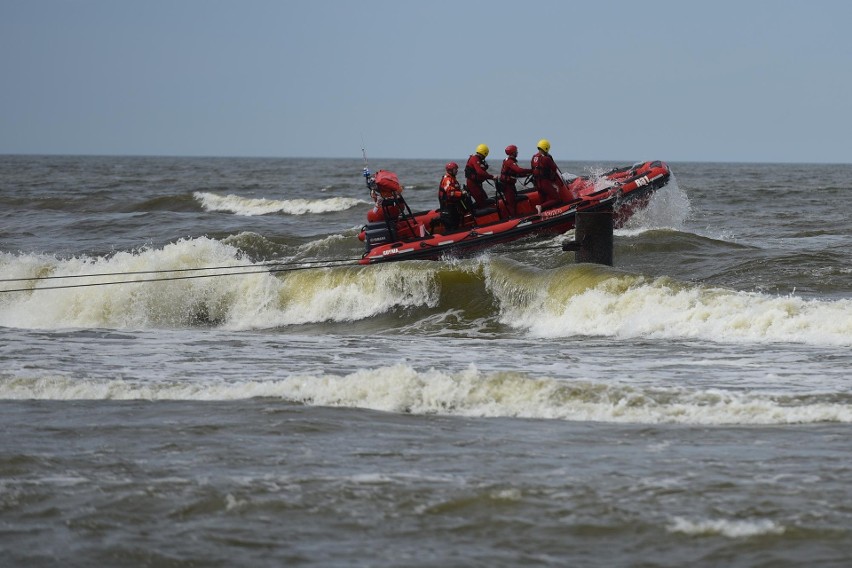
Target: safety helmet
[
  {"x": 544, "y": 145},
  {"x": 452, "y": 167},
  {"x": 511, "y": 150},
  {"x": 482, "y": 150}
]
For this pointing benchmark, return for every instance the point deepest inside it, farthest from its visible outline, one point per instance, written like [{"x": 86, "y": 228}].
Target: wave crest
[
  {"x": 470, "y": 393},
  {"x": 247, "y": 206},
  {"x": 582, "y": 300},
  {"x": 730, "y": 529},
  {"x": 568, "y": 301}
]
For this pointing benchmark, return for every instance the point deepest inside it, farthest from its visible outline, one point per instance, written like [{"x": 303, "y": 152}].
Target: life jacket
[
  {"x": 470, "y": 172},
  {"x": 543, "y": 166},
  {"x": 507, "y": 177},
  {"x": 449, "y": 191}
]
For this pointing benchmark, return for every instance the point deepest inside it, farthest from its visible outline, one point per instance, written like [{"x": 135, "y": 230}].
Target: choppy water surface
[{"x": 689, "y": 405}]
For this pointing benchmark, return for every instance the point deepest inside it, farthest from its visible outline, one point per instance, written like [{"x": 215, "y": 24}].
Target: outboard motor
[{"x": 378, "y": 233}]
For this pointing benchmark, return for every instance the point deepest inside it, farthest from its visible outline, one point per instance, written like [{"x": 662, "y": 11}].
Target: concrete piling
[{"x": 593, "y": 238}]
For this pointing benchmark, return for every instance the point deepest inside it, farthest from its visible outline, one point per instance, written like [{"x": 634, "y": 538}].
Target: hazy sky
[{"x": 680, "y": 80}]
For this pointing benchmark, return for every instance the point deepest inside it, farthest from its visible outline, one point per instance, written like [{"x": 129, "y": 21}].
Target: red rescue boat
[{"x": 395, "y": 233}]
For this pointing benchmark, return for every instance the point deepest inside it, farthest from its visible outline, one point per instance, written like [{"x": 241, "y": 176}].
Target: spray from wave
[{"x": 668, "y": 208}]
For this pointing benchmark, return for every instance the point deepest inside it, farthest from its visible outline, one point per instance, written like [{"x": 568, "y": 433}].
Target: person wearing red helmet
[
  {"x": 451, "y": 197},
  {"x": 509, "y": 174},
  {"x": 546, "y": 178},
  {"x": 475, "y": 173}
]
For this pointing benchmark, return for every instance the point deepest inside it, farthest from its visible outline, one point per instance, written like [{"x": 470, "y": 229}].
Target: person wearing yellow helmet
[
  {"x": 546, "y": 178},
  {"x": 475, "y": 173}
]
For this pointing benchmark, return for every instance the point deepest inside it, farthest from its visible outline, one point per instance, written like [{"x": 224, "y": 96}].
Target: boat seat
[{"x": 484, "y": 211}]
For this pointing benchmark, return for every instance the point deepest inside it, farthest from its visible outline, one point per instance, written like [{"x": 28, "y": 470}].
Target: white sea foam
[
  {"x": 727, "y": 528},
  {"x": 404, "y": 389},
  {"x": 551, "y": 304},
  {"x": 257, "y": 206},
  {"x": 134, "y": 305},
  {"x": 632, "y": 306},
  {"x": 251, "y": 299}
]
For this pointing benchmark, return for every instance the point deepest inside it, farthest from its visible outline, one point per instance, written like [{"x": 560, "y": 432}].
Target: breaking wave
[
  {"x": 248, "y": 207},
  {"x": 591, "y": 300},
  {"x": 726, "y": 528},
  {"x": 567, "y": 301},
  {"x": 469, "y": 393}
]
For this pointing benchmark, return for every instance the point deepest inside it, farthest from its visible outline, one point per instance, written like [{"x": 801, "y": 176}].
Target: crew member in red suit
[
  {"x": 452, "y": 199},
  {"x": 509, "y": 174},
  {"x": 475, "y": 173},
  {"x": 546, "y": 178}
]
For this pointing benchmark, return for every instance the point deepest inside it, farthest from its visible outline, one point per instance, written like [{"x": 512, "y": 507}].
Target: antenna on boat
[
  {"x": 371, "y": 183},
  {"x": 364, "y": 153}
]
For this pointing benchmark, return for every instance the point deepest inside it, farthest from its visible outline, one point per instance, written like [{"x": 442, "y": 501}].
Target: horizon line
[{"x": 360, "y": 158}]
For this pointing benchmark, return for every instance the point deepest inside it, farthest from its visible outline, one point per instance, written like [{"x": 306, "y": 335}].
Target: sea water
[{"x": 170, "y": 398}]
